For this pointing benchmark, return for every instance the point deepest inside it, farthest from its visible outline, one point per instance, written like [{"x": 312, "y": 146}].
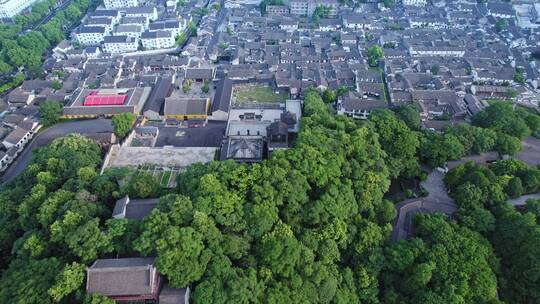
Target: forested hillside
[{"x": 310, "y": 225}]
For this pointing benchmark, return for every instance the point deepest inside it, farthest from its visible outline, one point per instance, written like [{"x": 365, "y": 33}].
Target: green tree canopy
[
  {"x": 50, "y": 112},
  {"x": 374, "y": 53},
  {"x": 501, "y": 117},
  {"x": 398, "y": 141},
  {"x": 123, "y": 123},
  {"x": 445, "y": 263}
]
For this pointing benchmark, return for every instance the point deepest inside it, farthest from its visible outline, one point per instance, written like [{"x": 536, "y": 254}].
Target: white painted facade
[
  {"x": 419, "y": 3},
  {"x": 157, "y": 40},
  {"x": 90, "y": 35},
  {"x": 120, "y": 3},
  {"x": 10, "y": 8},
  {"x": 148, "y": 12},
  {"x": 120, "y": 44}
]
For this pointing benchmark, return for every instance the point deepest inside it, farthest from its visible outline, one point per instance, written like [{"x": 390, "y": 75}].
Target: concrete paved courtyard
[
  {"x": 531, "y": 151},
  {"x": 164, "y": 156}
]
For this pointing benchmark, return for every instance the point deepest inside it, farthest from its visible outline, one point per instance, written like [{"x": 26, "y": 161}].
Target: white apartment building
[
  {"x": 105, "y": 22},
  {"x": 145, "y": 11},
  {"x": 120, "y": 44},
  {"x": 110, "y": 13},
  {"x": 176, "y": 27},
  {"x": 418, "y": 3},
  {"x": 90, "y": 35},
  {"x": 142, "y": 21},
  {"x": 17, "y": 138},
  {"x": 4, "y": 160},
  {"x": 289, "y": 25},
  {"x": 120, "y": 3},
  {"x": 130, "y": 30},
  {"x": 421, "y": 51},
  {"x": 356, "y": 22},
  {"x": 10, "y": 8},
  {"x": 307, "y": 7},
  {"x": 157, "y": 40}
]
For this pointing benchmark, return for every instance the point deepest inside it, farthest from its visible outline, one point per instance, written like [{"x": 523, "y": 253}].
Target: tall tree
[
  {"x": 445, "y": 263},
  {"x": 50, "y": 112},
  {"x": 122, "y": 123}
]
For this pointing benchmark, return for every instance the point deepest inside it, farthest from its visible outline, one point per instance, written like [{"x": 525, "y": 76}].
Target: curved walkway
[
  {"x": 522, "y": 200},
  {"x": 437, "y": 201},
  {"x": 47, "y": 136},
  {"x": 531, "y": 151}
]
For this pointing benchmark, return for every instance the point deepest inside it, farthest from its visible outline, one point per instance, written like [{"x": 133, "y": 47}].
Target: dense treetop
[
  {"x": 481, "y": 194},
  {"x": 309, "y": 225}
]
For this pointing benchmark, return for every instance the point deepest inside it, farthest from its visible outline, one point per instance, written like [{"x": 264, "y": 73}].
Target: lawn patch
[{"x": 257, "y": 94}]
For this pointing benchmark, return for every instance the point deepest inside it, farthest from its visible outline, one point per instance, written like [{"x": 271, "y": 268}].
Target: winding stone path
[{"x": 437, "y": 201}]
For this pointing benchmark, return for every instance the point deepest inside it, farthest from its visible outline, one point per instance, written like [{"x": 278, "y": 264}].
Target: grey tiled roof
[{"x": 122, "y": 277}]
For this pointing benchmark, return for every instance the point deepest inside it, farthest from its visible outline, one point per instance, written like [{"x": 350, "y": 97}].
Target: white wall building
[
  {"x": 142, "y": 21},
  {"x": 437, "y": 51},
  {"x": 105, "y": 22},
  {"x": 145, "y": 11},
  {"x": 120, "y": 3},
  {"x": 120, "y": 44},
  {"x": 130, "y": 30},
  {"x": 356, "y": 22},
  {"x": 157, "y": 40},
  {"x": 419, "y": 3},
  {"x": 111, "y": 13},
  {"x": 307, "y": 7},
  {"x": 17, "y": 138},
  {"x": 4, "y": 160},
  {"x": 176, "y": 27},
  {"x": 90, "y": 35},
  {"x": 10, "y": 8},
  {"x": 289, "y": 25}
]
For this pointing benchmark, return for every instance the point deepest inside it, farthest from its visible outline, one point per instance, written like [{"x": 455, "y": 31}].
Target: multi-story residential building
[
  {"x": 419, "y": 3},
  {"x": 171, "y": 6},
  {"x": 17, "y": 138},
  {"x": 120, "y": 44},
  {"x": 307, "y": 7},
  {"x": 419, "y": 51},
  {"x": 157, "y": 39},
  {"x": 114, "y": 14},
  {"x": 105, "y": 22},
  {"x": 289, "y": 25},
  {"x": 359, "y": 108},
  {"x": 299, "y": 7},
  {"x": 120, "y": 3},
  {"x": 277, "y": 10},
  {"x": 130, "y": 30},
  {"x": 149, "y": 12},
  {"x": 356, "y": 22},
  {"x": 10, "y": 8},
  {"x": 90, "y": 35},
  {"x": 501, "y": 10},
  {"x": 142, "y": 21},
  {"x": 176, "y": 27}
]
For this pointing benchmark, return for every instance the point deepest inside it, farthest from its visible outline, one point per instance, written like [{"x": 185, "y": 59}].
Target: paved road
[
  {"x": 47, "y": 136},
  {"x": 51, "y": 14},
  {"x": 434, "y": 184},
  {"x": 531, "y": 151},
  {"x": 437, "y": 201},
  {"x": 219, "y": 21},
  {"x": 479, "y": 159},
  {"x": 520, "y": 201}
]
